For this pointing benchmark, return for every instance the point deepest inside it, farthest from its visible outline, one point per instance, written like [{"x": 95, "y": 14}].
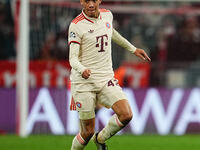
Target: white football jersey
[{"x": 94, "y": 36}]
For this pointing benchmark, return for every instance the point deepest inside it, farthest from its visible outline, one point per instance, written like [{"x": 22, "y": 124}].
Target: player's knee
[
  {"x": 88, "y": 134},
  {"x": 126, "y": 118}
]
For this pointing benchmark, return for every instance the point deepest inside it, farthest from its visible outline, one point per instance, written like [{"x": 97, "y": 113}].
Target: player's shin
[
  {"x": 78, "y": 143},
  {"x": 114, "y": 125}
]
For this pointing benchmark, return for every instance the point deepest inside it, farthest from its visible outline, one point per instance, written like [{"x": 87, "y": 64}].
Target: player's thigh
[
  {"x": 110, "y": 94},
  {"x": 87, "y": 124},
  {"x": 85, "y": 103},
  {"x": 122, "y": 108}
]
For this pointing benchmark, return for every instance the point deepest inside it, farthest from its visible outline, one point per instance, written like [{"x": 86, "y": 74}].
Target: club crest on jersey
[
  {"x": 78, "y": 104},
  {"x": 91, "y": 31},
  {"x": 108, "y": 25},
  {"x": 72, "y": 35}
]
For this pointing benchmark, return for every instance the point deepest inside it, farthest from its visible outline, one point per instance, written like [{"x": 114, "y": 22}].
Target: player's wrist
[
  {"x": 82, "y": 70},
  {"x": 132, "y": 49}
]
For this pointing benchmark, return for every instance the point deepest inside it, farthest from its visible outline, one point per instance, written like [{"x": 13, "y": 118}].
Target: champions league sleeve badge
[{"x": 72, "y": 35}]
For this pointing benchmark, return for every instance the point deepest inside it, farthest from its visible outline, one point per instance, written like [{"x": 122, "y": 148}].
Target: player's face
[{"x": 91, "y": 7}]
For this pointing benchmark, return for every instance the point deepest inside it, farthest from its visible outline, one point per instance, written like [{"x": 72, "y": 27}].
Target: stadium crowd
[{"x": 7, "y": 42}]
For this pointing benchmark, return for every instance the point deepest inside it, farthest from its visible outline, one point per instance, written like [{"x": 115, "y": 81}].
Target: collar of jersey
[{"x": 90, "y": 19}]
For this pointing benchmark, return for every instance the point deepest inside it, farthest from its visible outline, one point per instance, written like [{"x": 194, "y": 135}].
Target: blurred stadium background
[{"x": 164, "y": 94}]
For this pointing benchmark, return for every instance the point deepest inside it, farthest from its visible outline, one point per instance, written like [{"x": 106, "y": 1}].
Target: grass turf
[{"x": 122, "y": 142}]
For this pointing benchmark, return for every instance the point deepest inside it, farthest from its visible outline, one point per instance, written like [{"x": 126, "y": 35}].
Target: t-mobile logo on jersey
[{"x": 102, "y": 42}]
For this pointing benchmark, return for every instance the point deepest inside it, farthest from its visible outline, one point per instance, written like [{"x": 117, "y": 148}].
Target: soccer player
[{"x": 92, "y": 77}]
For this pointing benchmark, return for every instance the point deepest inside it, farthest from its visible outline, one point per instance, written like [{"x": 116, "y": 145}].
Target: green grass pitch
[{"x": 121, "y": 142}]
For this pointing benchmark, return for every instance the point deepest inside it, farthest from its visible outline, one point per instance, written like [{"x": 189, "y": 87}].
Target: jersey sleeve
[
  {"x": 73, "y": 58},
  {"x": 111, "y": 16},
  {"x": 121, "y": 41},
  {"x": 74, "y": 35}
]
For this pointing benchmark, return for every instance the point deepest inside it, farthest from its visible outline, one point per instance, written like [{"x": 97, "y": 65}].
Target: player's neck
[{"x": 96, "y": 15}]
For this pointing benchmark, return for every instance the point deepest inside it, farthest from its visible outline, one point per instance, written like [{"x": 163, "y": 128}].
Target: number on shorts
[
  {"x": 116, "y": 82},
  {"x": 110, "y": 83}
]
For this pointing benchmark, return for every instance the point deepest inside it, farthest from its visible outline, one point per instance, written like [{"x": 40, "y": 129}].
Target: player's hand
[
  {"x": 86, "y": 73},
  {"x": 142, "y": 54}
]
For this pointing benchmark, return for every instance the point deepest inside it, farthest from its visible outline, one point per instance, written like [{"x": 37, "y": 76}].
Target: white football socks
[
  {"x": 114, "y": 125},
  {"x": 78, "y": 143}
]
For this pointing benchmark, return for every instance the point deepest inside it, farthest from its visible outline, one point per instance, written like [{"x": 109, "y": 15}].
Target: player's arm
[
  {"x": 74, "y": 61},
  {"x": 121, "y": 41}
]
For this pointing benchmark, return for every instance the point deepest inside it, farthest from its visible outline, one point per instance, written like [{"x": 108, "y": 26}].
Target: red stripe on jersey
[
  {"x": 104, "y": 10},
  {"x": 79, "y": 18},
  {"x": 88, "y": 19},
  {"x": 74, "y": 42}
]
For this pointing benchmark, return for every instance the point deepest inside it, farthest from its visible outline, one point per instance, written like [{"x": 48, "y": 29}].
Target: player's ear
[{"x": 81, "y": 2}]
